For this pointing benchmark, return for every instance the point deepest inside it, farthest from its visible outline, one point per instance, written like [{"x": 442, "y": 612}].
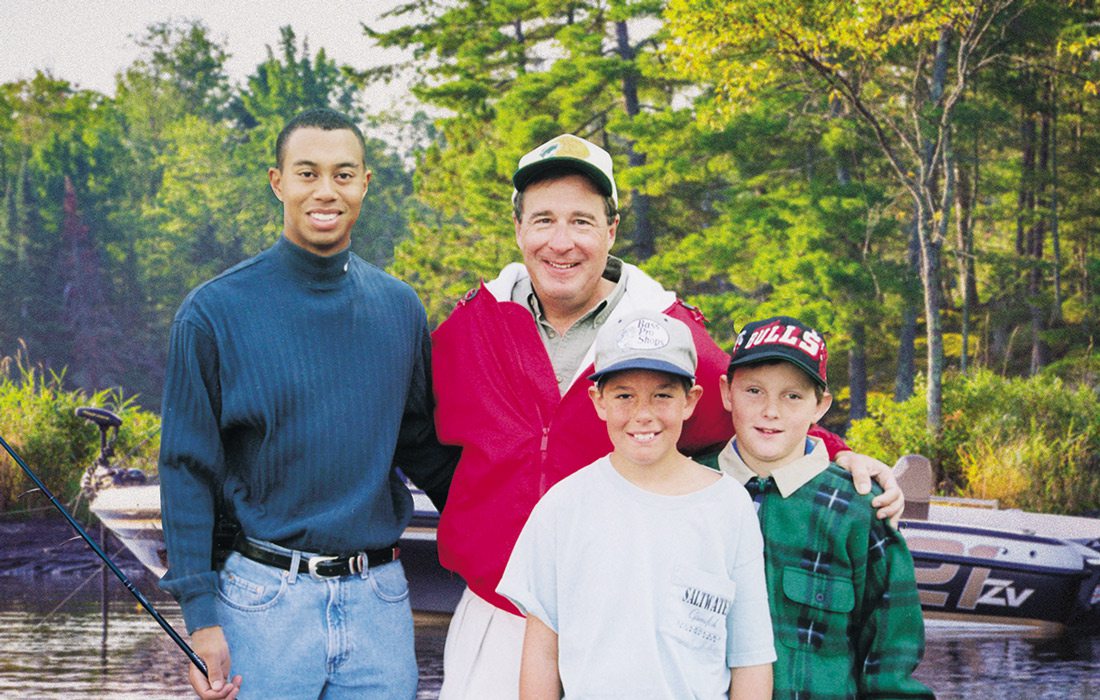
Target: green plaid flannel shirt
[{"x": 841, "y": 587}]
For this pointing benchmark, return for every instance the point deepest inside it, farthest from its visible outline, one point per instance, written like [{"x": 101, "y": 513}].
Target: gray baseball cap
[{"x": 645, "y": 340}]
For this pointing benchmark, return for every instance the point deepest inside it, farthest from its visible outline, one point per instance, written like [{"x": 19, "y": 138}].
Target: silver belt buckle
[{"x": 313, "y": 562}]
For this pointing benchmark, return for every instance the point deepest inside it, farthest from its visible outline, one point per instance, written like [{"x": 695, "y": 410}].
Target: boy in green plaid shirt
[{"x": 841, "y": 588}]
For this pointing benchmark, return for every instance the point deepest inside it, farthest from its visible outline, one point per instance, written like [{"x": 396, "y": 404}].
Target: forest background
[{"x": 917, "y": 178}]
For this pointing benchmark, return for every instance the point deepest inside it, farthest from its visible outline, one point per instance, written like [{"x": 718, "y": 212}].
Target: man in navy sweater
[{"x": 297, "y": 382}]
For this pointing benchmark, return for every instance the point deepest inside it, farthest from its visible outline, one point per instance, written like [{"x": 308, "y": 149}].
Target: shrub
[
  {"x": 1033, "y": 473},
  {"x": 38, "y": 419},
  {"x": 1030, "y": 443}
]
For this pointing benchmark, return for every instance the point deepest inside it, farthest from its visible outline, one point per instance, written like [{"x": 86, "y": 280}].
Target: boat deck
[{"x": 1043, "y": 524}]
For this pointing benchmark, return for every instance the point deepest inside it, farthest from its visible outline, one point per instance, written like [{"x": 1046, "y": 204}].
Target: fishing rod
[{"x": 195, "y": 658}]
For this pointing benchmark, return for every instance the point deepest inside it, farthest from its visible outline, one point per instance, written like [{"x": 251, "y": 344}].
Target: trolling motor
[
  {"x": 106, "y": 420},
  {"x": 101, "y": 473}
]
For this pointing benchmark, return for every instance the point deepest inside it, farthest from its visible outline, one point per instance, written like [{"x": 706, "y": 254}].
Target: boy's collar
[{"x": 788, "y": 478}]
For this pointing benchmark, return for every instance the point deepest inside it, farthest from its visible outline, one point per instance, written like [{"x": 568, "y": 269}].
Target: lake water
[
  {"x": 49, "y": 652},
  {"x": 51, "y": 648}
]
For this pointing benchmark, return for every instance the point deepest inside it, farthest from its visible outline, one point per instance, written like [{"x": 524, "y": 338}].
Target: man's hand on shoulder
[
  {"x": 891, "y": 502},
  {"x": 209, "y": 643}
]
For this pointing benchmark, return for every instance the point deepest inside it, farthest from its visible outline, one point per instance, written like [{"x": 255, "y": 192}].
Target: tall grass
[
  {"x": 1030, "y": 443},
  {"x": 38, "y": 419},
  {"x": 1054, "y": 476}
]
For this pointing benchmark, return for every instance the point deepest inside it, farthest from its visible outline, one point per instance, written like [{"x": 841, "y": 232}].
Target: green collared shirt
[
  {"x": 568, "y": 350},
  {"x": 841, "y": 586}
]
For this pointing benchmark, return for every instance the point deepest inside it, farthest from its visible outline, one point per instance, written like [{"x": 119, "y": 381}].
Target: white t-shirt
[{"x": 651, "y": 596}]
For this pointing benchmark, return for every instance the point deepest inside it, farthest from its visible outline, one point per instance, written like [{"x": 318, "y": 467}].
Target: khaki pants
[{"x": 482, "y": 654}]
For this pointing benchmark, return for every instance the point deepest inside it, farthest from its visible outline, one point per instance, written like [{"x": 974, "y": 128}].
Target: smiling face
[
  {"x": 565, "y": 240},
  {"x": 773, "y": 406},
  {"x": 321, "y": 184},
  {"x": 645, "y": 413}
]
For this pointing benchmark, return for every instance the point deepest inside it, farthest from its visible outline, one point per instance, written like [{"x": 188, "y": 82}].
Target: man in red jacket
[{"x": 515, "y": 353}]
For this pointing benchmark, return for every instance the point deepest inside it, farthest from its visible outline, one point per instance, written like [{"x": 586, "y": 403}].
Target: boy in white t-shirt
[{"x": 642, "y": 575}]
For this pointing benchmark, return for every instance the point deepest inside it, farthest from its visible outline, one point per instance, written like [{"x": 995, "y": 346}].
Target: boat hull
[{"x": 1004, "y": 580}]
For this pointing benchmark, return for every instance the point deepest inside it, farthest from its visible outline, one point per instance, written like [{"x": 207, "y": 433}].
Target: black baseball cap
[{"x": 782, "y": 338}]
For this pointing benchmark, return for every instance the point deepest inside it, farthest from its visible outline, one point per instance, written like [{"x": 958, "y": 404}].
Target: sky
[{"x": 87, "y": 41}]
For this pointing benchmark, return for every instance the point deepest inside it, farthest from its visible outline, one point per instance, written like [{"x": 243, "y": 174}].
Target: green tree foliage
[
  {"x": 210, "y": 211},
  {"x": 746, "y": 47},
  {"x": 778, "y": 229},
  {"x": 290, "y": 82},
  {"x": 60, "y": 154},
  {"x": 184, "y": 67},
  {"x": 181, "y": 73},
  {"x": 903, "y": 68}
]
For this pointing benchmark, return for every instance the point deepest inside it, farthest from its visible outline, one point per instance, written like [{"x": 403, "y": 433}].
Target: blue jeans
[{"x": 292, "y": 636}]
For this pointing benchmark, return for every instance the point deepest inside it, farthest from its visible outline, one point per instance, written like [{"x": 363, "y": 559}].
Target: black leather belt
[{"x": 320, "y": 565}]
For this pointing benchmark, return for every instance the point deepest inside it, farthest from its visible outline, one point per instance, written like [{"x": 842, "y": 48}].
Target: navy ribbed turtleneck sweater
[{"x": 294, "y": 384}]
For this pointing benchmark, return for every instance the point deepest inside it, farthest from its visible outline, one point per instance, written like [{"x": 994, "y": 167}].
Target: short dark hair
[
  {"x": 819, "y": 391},
  {"x": 317, "y": 118},
  {"x": 685, "y": 382},
  {"x": 558, "y": 173}
]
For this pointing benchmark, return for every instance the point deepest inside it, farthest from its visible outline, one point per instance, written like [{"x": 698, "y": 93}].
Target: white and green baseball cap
[{"x": 572, "y": 151}]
